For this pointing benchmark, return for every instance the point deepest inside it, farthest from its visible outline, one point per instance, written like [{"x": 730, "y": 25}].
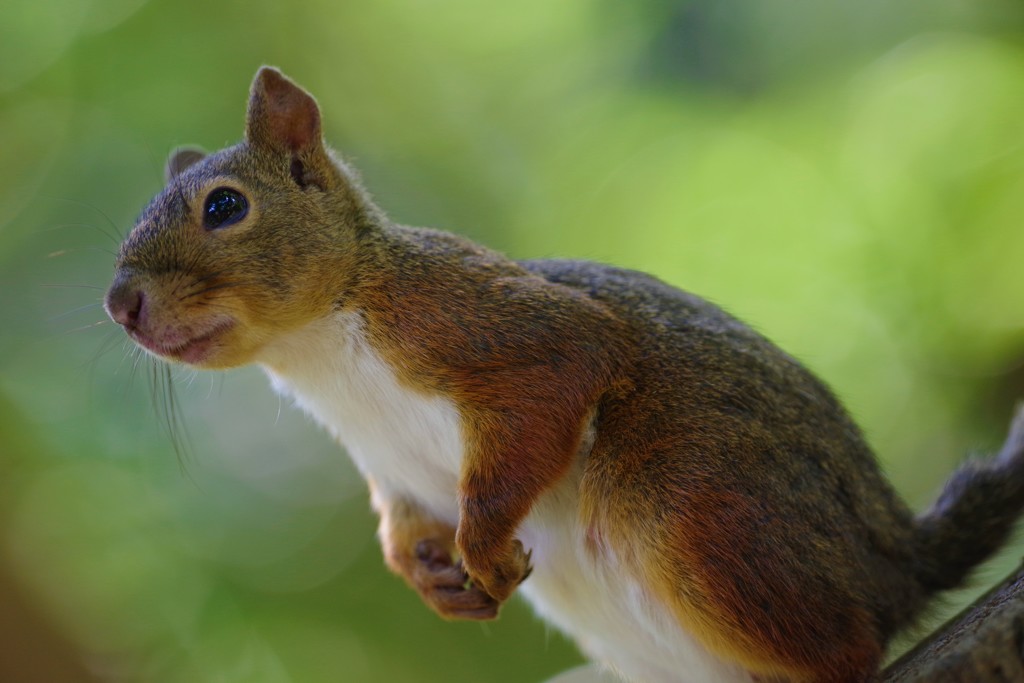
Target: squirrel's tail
[{"x": 973, "y": 516}]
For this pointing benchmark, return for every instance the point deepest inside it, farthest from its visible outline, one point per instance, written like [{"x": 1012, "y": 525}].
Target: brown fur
[{"x": 726, "y": 478}]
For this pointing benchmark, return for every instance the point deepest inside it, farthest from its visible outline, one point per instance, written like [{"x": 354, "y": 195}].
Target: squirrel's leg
[
  {"x": 419, "y": 548},
  {"x": 511, "y": 460}
]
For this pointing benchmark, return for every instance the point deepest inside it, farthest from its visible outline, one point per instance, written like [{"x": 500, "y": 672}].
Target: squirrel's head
[{"x": 246, "y": 243}]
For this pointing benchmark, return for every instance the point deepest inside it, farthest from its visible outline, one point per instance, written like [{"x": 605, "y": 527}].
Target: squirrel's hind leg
[{"x": 707, "y": 547}]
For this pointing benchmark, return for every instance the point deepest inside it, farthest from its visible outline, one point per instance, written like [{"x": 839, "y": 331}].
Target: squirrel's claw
[
  {"x": 447, "y": 588},
  {"x": 501, "y": 578}
]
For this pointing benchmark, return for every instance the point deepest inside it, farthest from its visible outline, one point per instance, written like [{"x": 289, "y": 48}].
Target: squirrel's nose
[{"x": 126, "y": 304}]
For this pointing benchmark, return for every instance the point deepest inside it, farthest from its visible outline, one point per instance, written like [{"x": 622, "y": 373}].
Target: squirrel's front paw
[
  {"x": 499, "y": 579},
  {"x": 446, "y": 587}
]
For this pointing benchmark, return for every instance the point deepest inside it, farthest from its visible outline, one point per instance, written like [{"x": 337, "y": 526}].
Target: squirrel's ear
[
  {"x": 281, "y": 115},
  {"x": 180, "y": 159}
]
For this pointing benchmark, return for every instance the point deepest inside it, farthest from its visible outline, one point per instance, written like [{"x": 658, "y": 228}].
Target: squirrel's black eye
[{"x": 224, "y": 207}]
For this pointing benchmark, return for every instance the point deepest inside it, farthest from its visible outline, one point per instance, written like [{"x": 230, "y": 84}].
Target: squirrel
[{"x": 674, "y": 492}]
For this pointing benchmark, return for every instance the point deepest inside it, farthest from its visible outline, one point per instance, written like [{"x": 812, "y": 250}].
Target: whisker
[
  {"x": 195, "y": 256},
  {"x": 206, "y": 277},
  {"x": 181, "y": 194},
  {"x": 64, "y": 226},
  {"x": 153, "y": 385},
  {"x": 211, "y": 288},
  {"x": 91, "y": 247},
  {"x": 101, "y": 213},
  {"x": 62, "y": 286},
  {"x": 179, "y": 433},
  {"x": 163, "y": 397},
  {"x": 214, "y": 304},
  {"x": 126, "y": 353},
  {"x": 209, "y": 392},
  {"x": 109, "y": 252},
  {"x": 104, "y": 347},
  {"x": 65, "y": 314},
  {"x": 137, "y": 354},
  {"x": 83, "y": 327}
]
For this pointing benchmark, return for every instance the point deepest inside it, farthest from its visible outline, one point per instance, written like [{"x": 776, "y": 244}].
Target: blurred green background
[{"x": 847, "y": 177}]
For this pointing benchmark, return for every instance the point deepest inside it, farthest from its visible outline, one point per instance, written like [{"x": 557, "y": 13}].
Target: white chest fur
[
  {"x": 410, "y": 444},
  {"x": 407, "y": 442}
]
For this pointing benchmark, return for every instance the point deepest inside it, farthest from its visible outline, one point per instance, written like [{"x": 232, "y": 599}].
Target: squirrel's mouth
[{"x": 192, "y": 349}]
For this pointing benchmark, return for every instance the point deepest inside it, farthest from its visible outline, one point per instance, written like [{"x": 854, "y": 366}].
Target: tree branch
[{"x": 982, "y": 644}]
